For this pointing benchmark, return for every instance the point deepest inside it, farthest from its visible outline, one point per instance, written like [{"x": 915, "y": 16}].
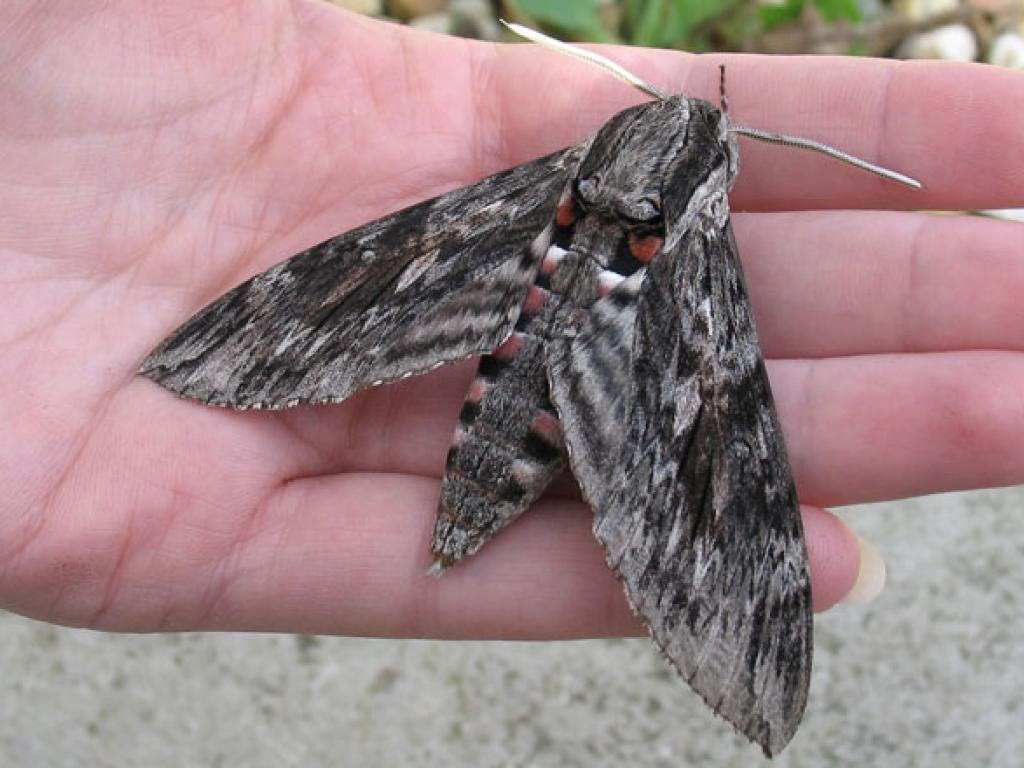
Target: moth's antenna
[
  {"x": 825, "y": 149},
  {"x": 588, "y": 56},
  {"x": 814, "y": 146},
  {"x": 755, "y": 133},
  {"x": 722, "y": 98}
]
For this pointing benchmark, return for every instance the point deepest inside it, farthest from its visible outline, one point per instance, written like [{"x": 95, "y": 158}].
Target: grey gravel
[{"x": 930, "y": 674}]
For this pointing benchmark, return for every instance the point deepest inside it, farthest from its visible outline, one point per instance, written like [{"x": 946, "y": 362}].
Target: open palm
[{"x": 155, "y": 155}]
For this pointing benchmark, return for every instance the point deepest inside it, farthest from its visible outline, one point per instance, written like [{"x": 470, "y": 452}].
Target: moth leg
[{"x": 507, "y": 449}]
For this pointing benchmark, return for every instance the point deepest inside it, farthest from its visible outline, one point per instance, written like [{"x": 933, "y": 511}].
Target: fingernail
[{"x": 870, "y": 576}]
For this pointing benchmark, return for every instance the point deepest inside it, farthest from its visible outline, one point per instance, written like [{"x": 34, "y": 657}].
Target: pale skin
[{"x": 155, "y": 155}]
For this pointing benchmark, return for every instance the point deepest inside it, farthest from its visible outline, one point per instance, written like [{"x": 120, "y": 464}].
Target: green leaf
[
  {"x": 632, "y": 10},
  {"x": 857, "y": 48},
  {"x": 570, "y": 15},
  {"x": 674, "y": 30},
  {"x": 774, "y": 15},
  {"x": 833, "y": 10},
  {"x": 679, "y": 23},
  {"x": 695, "y": 12},
  {"x": 649, "y": 23}
]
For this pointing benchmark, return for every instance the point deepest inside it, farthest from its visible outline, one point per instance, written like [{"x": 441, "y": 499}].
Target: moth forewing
[
  {"x": 359, "y": 309},
  {"x": 672, "y": 434}
]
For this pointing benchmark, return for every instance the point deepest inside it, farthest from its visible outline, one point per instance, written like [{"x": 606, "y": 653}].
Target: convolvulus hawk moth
[{"x": 602, "y": 286}]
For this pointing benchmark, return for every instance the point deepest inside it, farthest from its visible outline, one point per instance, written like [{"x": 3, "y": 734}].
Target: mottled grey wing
[
  {"x": 437, "y": 282},
  {"x": 672, "y": 434}
]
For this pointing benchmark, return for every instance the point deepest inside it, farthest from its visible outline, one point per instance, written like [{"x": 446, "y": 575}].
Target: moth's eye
[
  {"x": 647, "y": 210},
  {"x": 586, "y": 190}
]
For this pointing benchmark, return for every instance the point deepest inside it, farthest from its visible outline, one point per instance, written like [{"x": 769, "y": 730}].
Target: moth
[{"x": 602, "y": 287}]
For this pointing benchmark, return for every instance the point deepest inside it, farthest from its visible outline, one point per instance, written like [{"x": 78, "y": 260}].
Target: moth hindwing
[{"x": 603, "y": 287}]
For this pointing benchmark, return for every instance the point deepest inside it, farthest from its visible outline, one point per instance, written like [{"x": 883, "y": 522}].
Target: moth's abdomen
[
  {"x": 507, "y": 448},
  {"x": 508, "y": 443}
]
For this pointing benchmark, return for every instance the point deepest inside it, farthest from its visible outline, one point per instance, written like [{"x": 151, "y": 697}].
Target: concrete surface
[{"x": 931, "y": 674}]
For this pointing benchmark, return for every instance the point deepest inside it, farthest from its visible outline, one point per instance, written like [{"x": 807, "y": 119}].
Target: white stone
[
  {"x": 955, "y": 42},
  {"x": 918, "y": 10},
  {"x": 1009, "y": 214},
  {"x": 1007, "y": 51}
]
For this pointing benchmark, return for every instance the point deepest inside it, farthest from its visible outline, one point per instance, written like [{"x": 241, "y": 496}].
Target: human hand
[{"x": 155, "y": 156}]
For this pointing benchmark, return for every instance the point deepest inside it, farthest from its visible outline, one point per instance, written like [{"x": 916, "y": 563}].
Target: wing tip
[
  {"x": 772, "y": 736},
  {"x": 205, "y": 393}
]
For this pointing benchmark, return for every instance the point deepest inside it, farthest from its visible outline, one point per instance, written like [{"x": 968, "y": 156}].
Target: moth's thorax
[
  {"x": 600, "y": 240},
  {"x": 644, "y": 166}
]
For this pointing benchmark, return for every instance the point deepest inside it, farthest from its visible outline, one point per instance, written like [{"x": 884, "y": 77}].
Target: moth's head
[{"x": 647, "y": 164}]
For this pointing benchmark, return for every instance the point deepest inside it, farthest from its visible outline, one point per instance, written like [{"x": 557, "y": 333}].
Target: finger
[
  {"x": 884, "y": 427},
  {"x": 348, "y": 555},
  {"x": 952, "y": 126},
  {"x": 840, "y": 283},
  {"x": 949, "y": 125},
  {"x": 858, "y": 429}
]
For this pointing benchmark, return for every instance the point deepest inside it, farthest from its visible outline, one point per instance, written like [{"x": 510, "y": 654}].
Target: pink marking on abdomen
[
  {"x": 477, "y": 390},
  {"x": 510, "y": 347},
  {"x": 546, "y": 426},
  {"x": 534, "y": 300},
  {"x": 552, "y": 258},
  {"x": 458, "y": 438}
]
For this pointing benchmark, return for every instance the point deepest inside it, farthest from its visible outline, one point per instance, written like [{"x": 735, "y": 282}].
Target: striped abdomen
[{"x": 508, "y": 444}]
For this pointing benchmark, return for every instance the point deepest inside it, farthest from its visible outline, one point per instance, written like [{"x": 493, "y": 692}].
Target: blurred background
[
  {"x": 930, "y": 674},
  {"x": 964, "y": 30}
]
